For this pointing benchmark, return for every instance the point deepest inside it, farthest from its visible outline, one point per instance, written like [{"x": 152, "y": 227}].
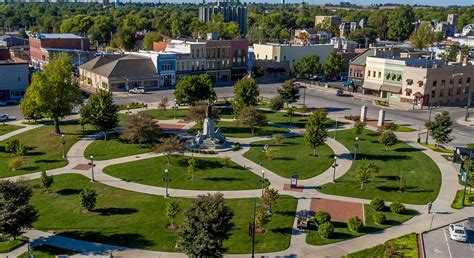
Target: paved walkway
[{"x": 298, "y": 245}]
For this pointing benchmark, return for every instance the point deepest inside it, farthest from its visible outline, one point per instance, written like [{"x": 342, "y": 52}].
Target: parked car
[
  {"x": 137, "y": 90},
  {"x": 340, "y": 92},
  {"x": 3, "y": 103},
  {"x": 457, "y": 232},
  {"x": 4, "y": 117},
  {"x": 13, "y": 102},
  {"x": 470, "y": 220}
]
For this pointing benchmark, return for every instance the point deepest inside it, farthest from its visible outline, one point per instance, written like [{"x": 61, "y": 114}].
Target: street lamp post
[
  {"x": 263, "y": 180},
  {"x": 429, "y": 120},
  {"x": 166, "y": 179},
  {"x": 334, "y": 165},
  {"x": 64, "y": 146},
  {"x": 92, "y": 167},
  {"x": 356, "y": 144},
  {"x": 128, "y": 109},
  {"x": 468, "y": 105}
]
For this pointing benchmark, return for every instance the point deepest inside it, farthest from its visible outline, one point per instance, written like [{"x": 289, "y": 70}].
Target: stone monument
[
  {"x": 209, "y": 138},
  {"x": 381, "y": 120},
  {"x": 363, "y": 113}
]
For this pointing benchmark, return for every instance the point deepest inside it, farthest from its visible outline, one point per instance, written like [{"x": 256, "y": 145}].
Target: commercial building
[
  {"x": 291, "y": 53},
  {"x": 12, "y": 41},
  {"x": 190, "y": 57},
  {"x": 14, "y": 74},
  {"x": 231, "y": 10},
  {"x": 419, "y": 81},
  {"x": 219, "y": 60},
  {"x": 119, "y": 73},
  {"x": 45, "y": 46}
]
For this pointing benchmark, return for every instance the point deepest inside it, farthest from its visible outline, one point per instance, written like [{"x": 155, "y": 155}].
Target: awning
[
  {"x": 371, "y": 85},
  {"x": 393, "y": 89},
  {"x": 418, "y": 94}
]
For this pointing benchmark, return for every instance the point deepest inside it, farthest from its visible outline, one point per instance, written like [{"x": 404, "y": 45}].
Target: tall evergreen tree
[
  {"x": 53, "y": 92},
  {"x": 103, "y": 112},
  {"x": 316, "y": 132},
  {"x": 207, "y": 223}
]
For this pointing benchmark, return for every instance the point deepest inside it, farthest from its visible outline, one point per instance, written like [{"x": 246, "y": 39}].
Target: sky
[{"x": 360, "y": 2}]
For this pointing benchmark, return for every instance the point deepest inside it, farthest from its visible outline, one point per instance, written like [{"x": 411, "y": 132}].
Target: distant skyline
[{"x": 358, "y": 2}]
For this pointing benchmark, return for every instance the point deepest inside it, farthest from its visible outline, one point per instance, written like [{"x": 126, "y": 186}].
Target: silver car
[{"x": 457, "y": 232}]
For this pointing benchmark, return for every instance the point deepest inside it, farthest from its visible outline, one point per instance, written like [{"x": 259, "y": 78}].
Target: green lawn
[
  {"x": 433, "y": 148},
  {"x": 458, "y": 198},
  {"x": 45, "y": 148},
  {"x": 421, "y": 174},
  {"x": 167, "y": 114},
  {"x": 405, "y": 246},
  {"x": 403, "y": 129},
  {"x": 297, "y": 120},
  {"x": 342, "y": 233},
  {"x": 114, "y": 148},
  {"x": 231, "y": 129},
  {"x": 9, "y": 245},
  {"x": 47, "y": 251},
  {"x": 137, "y": 220},
  {"x": 6, "y": 128},
  {"x": 210, "y": 175},
  {"x": 292, "y": 157}
]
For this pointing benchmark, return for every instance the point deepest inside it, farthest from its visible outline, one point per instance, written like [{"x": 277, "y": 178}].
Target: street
[
  {"x": 319, "y": 99},
  {"x": 438, "y": 244}
]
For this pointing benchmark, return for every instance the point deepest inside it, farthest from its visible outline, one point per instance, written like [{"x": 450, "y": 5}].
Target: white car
[
  {"x": 137, "y": 91},
  {"x": 457, "y": 233}
]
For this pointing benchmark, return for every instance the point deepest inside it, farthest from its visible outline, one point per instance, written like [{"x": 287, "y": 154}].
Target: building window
[
  {"x": 409, "y": 82},
  {"x": 441, "y": 93},
  {"x": 350, "y": 70},
  {"x": 399, "y": 78},
  {"x": 380, "y": 74},
  {"x": 434, "y": 83},
  {"x": 460, "y": 81},
  {"x": 368, "y": 73},
  {"x": 433, "y": 94},
  {"x": 468, "y": 80},
  {"x": 443, "y": 83},
  {"x": 258, "y": 56},
  {"x": 458, "y": 90},
  {"x": 284, "y": 58},
  {"x": 276, "y": 58}
]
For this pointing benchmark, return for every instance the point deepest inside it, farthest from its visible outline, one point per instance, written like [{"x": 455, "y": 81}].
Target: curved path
[{"x": 298, "y": 245}]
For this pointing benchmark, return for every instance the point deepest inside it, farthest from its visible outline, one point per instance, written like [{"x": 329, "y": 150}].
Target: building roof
[
  {"x": 13, "y": 41},
  {"x": 58, "y": 36},
  {"x": 132, "y": 66},
  {"x": 361, "y": 59}
]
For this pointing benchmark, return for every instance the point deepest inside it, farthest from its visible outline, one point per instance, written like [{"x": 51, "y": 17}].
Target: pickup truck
[{"x": 137, "y": 91}]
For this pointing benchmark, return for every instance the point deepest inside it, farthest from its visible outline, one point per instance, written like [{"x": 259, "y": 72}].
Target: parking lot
[{"x": 438, "y": 244}]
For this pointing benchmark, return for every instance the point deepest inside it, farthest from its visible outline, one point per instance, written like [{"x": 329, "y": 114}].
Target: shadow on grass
[
  {"x": 404, "y": 149},
  {"x": 406, "y": 189},
  {"x": 284, "y": 230},
  {"x": 129, "y": 239},
  {"x": 285, "y": 213},
  {"x": 219, "y": 179},
  {"x": 68, "y": 191},
  {"x": 382, "y": 157},
  {"x": 115, "y": 211},
  {"x": 48, "y": 161}
]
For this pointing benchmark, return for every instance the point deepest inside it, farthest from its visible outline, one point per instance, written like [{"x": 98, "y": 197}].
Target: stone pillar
[
  {"x": 363, "y": 113},
  {"x": 381, "y": 117}
]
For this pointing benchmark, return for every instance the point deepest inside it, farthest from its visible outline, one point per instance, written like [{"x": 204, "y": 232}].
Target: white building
[{"x": 14, "y": 76}]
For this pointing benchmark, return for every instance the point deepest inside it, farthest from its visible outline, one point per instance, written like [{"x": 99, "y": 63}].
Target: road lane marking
[{"x": 447, "y": 243}]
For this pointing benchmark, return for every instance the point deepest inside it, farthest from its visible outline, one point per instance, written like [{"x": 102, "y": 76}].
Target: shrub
[
  {"x": 46, "y": 180},
  {"x": 270, "y": 153},
  {"x": 322, "y": 217},
  {"x": 377, "y": 204},
  {"x": 278, "y": 138},
  {"x": 15, "y": 163},
  {"x": 12, "y": 146},
  {"x": 355, "y": 224},
  {"x": 352, "y": 117},
  {"x": 225, "y": 161},
  {"x": 88, "y": 198},
  {"x": 277, "y": 103},
  {"x": 326, "y": 230},
  {"x": 397, "y": 207},
  {"x": 382, "y": 103},
  {"x": 380, "y": 218}
]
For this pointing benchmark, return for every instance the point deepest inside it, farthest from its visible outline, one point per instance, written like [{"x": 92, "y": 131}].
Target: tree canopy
[
  {"x": 194, "y": 88},
  {"x": 333, "y": 64},
  {"x": 440, "y": 129},
  {"x": 423, "y": 36},
  {"x": 307, "y": 66},
  {"x": 289, "y": 92},
  {"x": 102, "y": 113},
  {"x": 246, "y": 94},
  {"x": 400, "y": 23},
  {"x": 316, "y": 132}
]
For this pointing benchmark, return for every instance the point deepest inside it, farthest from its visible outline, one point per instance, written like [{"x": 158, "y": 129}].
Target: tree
[
  {"x": 169, "y": 146},
  {"x": 46, "y": 180},
  {"x": 388, "y": 138},
  {"x": 363, "y": 36},
  {"x": 277, "y": 103},
  {"x": 326, "y": 230},
  {"x": 307, "y": 66},
  {"x": 270, "y": 153},
  {"x": 85, "y": 114},
  {"x": 400, "y": 23},
  {"x": 246, "y": 94},
  {"x": 452, "y": 52},
  {"x": 172, "y": 210},
  {"x": 278, "y": 138},
  {"x": 333, "y": 64},
  {"x": 252, "y": 117},
  {"x": 423, "y": 36},
  {"x": 322, "y": 217},
  {"x": 124, "y": 38},
  {"x": 193, "y": 88},
  {"x": 192, "y": 167},
  {"x": 316, "y": 131},
  {"x": 440, "y": 129},
  {"x": 365, "y": 171},
  {"x": 103, "y": 113},
  {"x": 140, "y": 128},
  {"x": 289, "y": 92},
  {"x": 207, "y": 223},
  {"x": 149, "y": 38},
  {"x": 269, "y": 197},
  {"x": 16, "y": 213},
  {"x": 378, "y": 21},
  {"x": 88, "y": 198},
  {"x": 262, "y": 217},
  {"x": 198, "y": 113},
  {"x": 358, "y": 127},
  {"x": 54, "y": 91},
  {"x": 163, "y": 102},
  {"x": 290, "y": 112},
  {"x": 355, "y": 224},
  {"x": 15, "y": 163},
  {"x": 29, "y": 109},
  {"x": 225, "y": 161}
]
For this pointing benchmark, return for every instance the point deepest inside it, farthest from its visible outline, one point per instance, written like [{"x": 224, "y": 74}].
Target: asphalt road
[
  {"x": 438, "y": 244},
  {"x": 332, "y": 103}
]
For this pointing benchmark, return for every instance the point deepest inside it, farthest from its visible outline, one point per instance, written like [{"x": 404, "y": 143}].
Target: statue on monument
[{"x": 209, "y": 111}]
